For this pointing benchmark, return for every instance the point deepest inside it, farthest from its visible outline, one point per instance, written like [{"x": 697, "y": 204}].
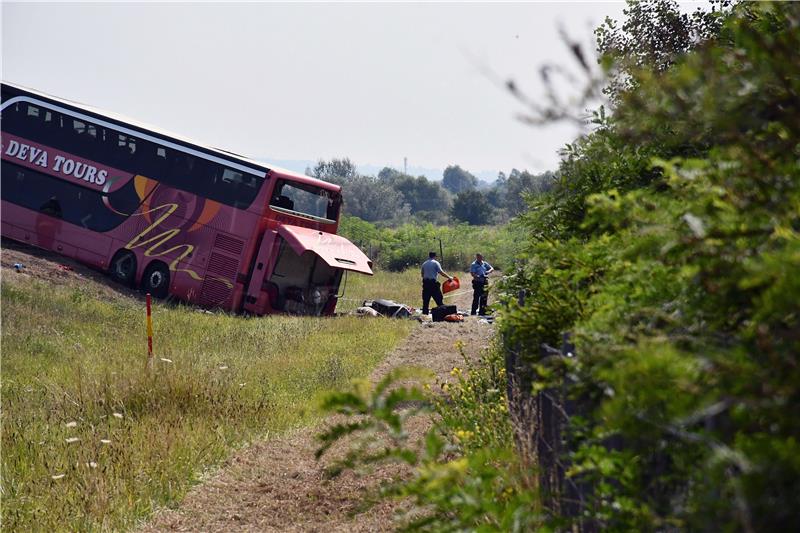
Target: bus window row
[
  {"x": 70, "y": 202},
  {"x": 132, "y": 154}
]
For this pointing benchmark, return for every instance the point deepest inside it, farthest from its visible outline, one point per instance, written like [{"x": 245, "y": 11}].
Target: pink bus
[{"x": 167, "y": 215}]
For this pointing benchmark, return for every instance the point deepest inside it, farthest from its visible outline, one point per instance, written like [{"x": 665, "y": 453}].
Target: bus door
[{"x": 257, "y": 299}]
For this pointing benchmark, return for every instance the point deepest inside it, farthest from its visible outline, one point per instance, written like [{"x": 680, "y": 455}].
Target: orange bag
[
  {"x": 450, "y": 285},
  {"x": 454, "y": 318}
]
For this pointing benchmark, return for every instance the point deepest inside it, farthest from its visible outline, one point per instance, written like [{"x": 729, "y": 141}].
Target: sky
[{"x": 293, "y": 83}]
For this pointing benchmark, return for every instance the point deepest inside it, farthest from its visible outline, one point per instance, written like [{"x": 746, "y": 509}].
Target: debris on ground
[
  {"x": 365, "y": 311},
  {"x": 389, "y": 308},
  {"x": 438, "y": 313}
]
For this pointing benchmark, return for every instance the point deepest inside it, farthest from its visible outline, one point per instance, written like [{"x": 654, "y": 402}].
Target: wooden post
[
  {"x": 546, "y": 450},
  {"x": 511, "y": 359},
  {"x": 149, "y": 332}
]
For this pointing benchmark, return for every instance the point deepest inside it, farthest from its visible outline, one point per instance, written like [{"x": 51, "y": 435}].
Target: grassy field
[
  {"x": 92, "y": 440},
  {"x": 404, "y": 287}
]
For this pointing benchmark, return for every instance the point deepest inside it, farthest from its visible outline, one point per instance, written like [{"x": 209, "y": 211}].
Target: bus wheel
[
  {"x": 156, "y": 280},
  {"x": 123, "y": 268}
]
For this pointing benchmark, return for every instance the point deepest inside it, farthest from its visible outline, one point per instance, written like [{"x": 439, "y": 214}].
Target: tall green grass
[
  {"x": 93, "y": 440},
  {"x": 407, "y": 246},
  {"x": 403, "y": 287}
]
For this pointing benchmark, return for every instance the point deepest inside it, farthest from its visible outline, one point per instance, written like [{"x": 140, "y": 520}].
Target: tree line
[{"x": 391, "y": 197}]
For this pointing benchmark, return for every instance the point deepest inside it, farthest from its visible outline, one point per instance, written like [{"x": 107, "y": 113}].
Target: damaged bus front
[{"x": 301, "y": 261}]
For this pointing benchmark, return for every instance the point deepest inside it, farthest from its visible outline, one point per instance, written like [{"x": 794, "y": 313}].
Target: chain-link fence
[{"x": 541, "y": 420}]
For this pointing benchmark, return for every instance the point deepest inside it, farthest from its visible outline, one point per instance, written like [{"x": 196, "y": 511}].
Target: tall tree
[
  {"x": 455, "y": 179},
  {"x": 334, "y": 171},
  {"x": 373, "y": 200},
  {"x": 388, "y": 173},
  {"x": 473, "y": 208},
  {"x": 520, "y": 185},
  {"x": 654, "y": 35},
  {"x": 365, "y": 197},
  {"x": 421, "y": 194}
]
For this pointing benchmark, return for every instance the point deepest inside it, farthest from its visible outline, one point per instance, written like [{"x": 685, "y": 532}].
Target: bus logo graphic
[{"x": 162, "y": 239}]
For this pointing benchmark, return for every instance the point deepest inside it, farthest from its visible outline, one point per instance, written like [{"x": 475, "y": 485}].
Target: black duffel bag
[{"x": 438, "y": 313}]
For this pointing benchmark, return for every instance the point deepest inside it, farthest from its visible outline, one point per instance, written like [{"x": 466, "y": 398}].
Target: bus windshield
[{"x": 306, "y": 200}]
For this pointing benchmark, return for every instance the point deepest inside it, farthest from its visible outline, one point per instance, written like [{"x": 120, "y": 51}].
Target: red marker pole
[{"x": 149, "y": 332}]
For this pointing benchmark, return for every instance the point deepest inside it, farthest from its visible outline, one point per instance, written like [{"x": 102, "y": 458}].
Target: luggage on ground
[{"x": 438, "y": 313}]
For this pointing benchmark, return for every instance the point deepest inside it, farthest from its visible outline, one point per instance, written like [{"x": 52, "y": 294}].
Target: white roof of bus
[{"x": 157, "y": 130}]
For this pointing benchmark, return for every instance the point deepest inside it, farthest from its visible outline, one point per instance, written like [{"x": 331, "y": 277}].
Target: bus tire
[
  {"x": 156, "y": 279},
  {"x": 122, "y": 268}
]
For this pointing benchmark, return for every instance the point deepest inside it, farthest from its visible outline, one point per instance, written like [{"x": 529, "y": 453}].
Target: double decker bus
[{"x": 168, "y": 215}]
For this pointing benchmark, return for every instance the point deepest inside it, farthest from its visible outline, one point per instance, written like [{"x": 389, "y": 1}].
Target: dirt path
[
  {"x": 277, "y": 485},
  {"x": 21, "y": 260}
]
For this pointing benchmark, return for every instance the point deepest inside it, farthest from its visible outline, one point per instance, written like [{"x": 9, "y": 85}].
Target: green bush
[
  {"x": 670, "y": 247},
  {"x": 466, "y": 475},
  {"x": 408, "y": 245},
  {"x": 679, "y": 277}
]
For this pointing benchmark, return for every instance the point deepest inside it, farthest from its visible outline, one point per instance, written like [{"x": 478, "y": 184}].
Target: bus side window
[
  {"x": 52, "y": 207},
  {"x": 50, "y": 131},
  {"x": 237, "y": 188},
  {"x": 12, "y": 117},
  {"x": 191, "y": 174},
  {"x": 88, "y": 140},
  {"x": 29, "y": 121},
  {"x": 124, "y": 150},
  {"x": 229, "y": 184},
  {"x": 160, "y": 162},
  {"x": 151, "y": 159},
  {"x": 231, "y": 177},
  {"x": 26, "y": 120},
  {"x": 182, "y": 171}
]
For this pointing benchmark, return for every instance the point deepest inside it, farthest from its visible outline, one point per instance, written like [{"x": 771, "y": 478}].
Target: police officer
[
  {"x": 480, "y": 270},
  {"x": 430, "y": 287}
]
